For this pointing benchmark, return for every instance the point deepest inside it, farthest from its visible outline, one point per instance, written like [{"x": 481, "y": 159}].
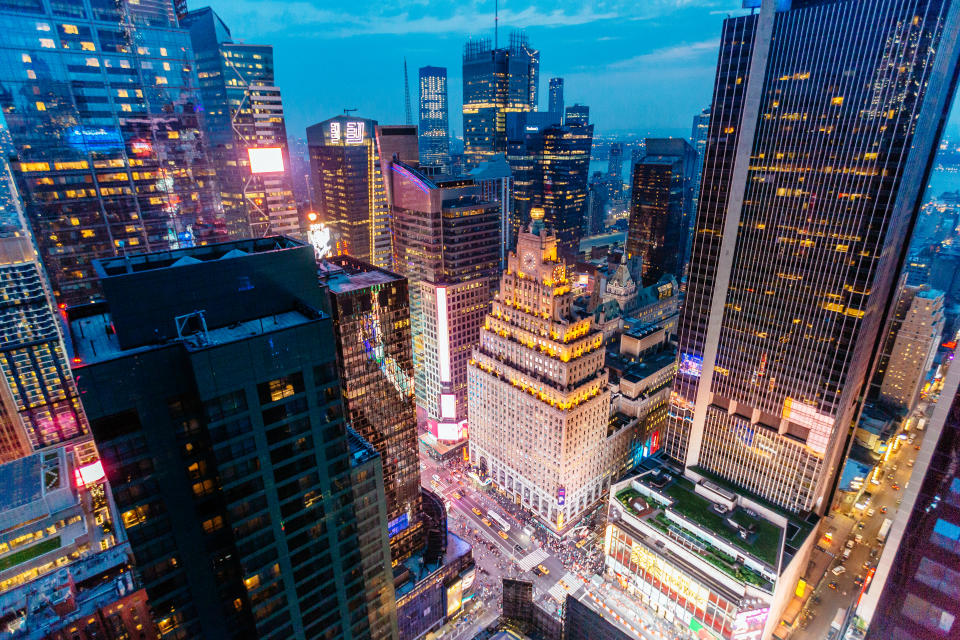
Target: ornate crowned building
[{"x": 537, "y": 398}]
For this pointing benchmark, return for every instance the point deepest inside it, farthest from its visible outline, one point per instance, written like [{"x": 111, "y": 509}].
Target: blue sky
[{"x": 645, "y": 66}]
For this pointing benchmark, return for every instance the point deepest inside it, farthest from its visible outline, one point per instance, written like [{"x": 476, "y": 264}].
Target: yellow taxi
[
  {"x": 502, "y": 534},
  {"x": 487, "y": 522},
  {"x": 543, "y": 569},
  {"x": 456, "y": 495},
  {"x": 475, "y": 511}
]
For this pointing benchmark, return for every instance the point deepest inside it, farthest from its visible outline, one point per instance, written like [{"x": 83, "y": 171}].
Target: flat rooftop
[
  {"x": 342, "y": 280},
  {"x": 95, "y": 341},
  {"x": 192, "y": 255}
]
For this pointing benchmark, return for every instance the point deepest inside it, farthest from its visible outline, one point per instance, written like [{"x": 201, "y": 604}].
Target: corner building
[
  {"x": 537, "y": 389},
  {"x": 824, "y": 124}
]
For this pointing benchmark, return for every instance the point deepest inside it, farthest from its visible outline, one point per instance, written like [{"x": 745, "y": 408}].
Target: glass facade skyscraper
[
  {"x": 555, "y": 104},
  {"x": 434, "y": 125},
  {"x": 811, "y": 182},
  {"x": 661, "y": 207},
  {"x": 101, "y": 100},
  {"x": 495, "y": 82},
  {"x": 243, "y": 110},
  {"x": 698, "y": 139}
]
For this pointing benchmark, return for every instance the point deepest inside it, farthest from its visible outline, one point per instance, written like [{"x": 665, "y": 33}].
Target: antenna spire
[
  {"x": 496, "y": 22},
  {"x": 406, "y": 92}
]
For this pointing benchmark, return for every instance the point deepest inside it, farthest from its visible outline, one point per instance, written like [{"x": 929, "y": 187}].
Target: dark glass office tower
[
  {"x": 551, "y": 165},
  {"x": 495, "y": 82},
  {"x": 348, "y": 187},
  {"x": 371, "y": 317},
  {"x": 434, "y": 125},
  {"x": 661, "y": 207},
  {"x": 915, "y": 592},
  {"x": 102, "y": 102},
  {"x": 555, "y": 104},
  {"x": 243, "y": 110},
  {"x": 698, "y": 139},
  {"x": 210, "y": 379},
  {"x": 824, "y": 124},
  {"x": 577, "y": 114}
]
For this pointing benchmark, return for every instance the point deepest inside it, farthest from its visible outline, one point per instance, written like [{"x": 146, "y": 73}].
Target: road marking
[{"x": 532, "y": 560}]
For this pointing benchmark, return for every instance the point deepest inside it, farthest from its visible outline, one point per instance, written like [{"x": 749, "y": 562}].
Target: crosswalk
[
  {"x": 532, "y": 560},
  {"x": 567, "y": 584}
]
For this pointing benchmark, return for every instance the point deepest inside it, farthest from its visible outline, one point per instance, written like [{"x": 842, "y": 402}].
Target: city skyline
[{"x": 603, "y": 55}]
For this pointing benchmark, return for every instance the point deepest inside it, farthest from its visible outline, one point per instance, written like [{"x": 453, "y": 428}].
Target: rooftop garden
[{"x": 31, "y": 552}]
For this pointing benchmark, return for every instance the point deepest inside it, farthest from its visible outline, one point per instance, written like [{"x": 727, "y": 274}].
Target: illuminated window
[
  {"x": 47, "y": 43},
  {"x": 41, "y": 106},
  {"x": 87, "y": 46},
  {"x": 25, "y": 58},
  {"x": 837, "y": 100},
  {"x": 71, "y": 29},
  {"x": 161, "y": 80}
]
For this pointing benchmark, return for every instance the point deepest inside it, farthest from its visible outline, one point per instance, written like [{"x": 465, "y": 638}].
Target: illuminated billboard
[
  {"x": 691, "y": 365},
  {"x": 454, "y": 597},
  {"x": 265, "y": 159},
  {"x": 448, "y": 405},
  {"x": 450, "y": 431},
  {"x": 397, "y": 525},
  {"x": 89, "y": 474}
]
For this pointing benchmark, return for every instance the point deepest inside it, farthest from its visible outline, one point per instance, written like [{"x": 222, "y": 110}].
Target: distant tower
[
  {"x": 556, "y": 97},
  {"x": 406, "y": 95}
]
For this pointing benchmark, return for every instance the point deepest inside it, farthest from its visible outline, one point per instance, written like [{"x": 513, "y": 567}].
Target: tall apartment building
[
  {"x": 39, "y": 404},
  {"x": 794, "y": 263},
  {"x": 434, "y": 117},
  {"x": 495, "y": 82},
  {"x": 103, "y": 105},
  {"x": 555, "y": 103},
  {"x": 225, "y": 445},
  {"x": 911, "y": 345},
  {"x": 446, "y": 239},
  {"x": 371, "y": 318},
  {"x": 661, "y": 207},
  {"x": 243, "y": 111},
  {"x": 539, "y": 407},
  {"x": 915, "y": 590},
  {"x": 348, "y": 188}
]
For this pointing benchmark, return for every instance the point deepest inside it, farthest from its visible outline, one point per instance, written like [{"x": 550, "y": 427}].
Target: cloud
[{"x": 675, "y": 53}]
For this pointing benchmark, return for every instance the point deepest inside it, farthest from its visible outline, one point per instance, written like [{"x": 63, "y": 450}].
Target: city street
[{"x": 848, "y": 522}]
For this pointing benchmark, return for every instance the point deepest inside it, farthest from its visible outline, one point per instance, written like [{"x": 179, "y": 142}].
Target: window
[
  {"x": 280, "y": 388},
  {"x": 933, "y": 574},
  {"x": 926, "y": 614}
]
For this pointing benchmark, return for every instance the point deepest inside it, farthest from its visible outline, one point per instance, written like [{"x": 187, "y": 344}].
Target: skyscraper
[
  {"x": 225, "y": 445},
  {"x": 446, "y": 238},
  {"x": 915, "y": 592},
  {"x": 555, "y": 103},
  {"x": 348, "y": 187},
  {"x": 539, "y": 406},
  {"x": 495, "y": 180},
  {"x": 243, "y": 115},
  {"x": 794, "y": 261},
  {"x": 434, "y": 124},
  {"x": 698, "y": 139},
  {"x": 661, "y": 207},
  {"x": 104, "y": 111},
  {"x": 911, "y": 346},
  {"x": 495, "y": 82},
  {"x": 371, "y": 318},
  {"x": 615, "y": 160},
  {"x": 577, "y": 114},
  {"x": 39, "y": 405}
]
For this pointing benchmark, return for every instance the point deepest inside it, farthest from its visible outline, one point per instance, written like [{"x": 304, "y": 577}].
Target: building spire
[
  {"x": 406, "y": 93},
  {"x": 496, "y": 21}
]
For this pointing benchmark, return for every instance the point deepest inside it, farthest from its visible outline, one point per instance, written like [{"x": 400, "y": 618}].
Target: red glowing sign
[
  {"x": 950, "y": 345},
  {"x": 89, "y": 474},
  {"x": 141, "y": 147}
]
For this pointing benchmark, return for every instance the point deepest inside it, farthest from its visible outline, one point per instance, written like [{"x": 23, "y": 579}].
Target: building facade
[
  {"x": 911, "y": 346},
  {"x": 348, "y": 188},
  {"x": 39, "y": 404},
  {"x": 661, "y": 207},
  {"x": 495, "y": 180},
  {"x": 103, "y": 105},
  {"x": 434, "y": 120},
  {"x": 495, "y": 82},
  {"x": 555, "y": 104},
  {"x": 446, "y": 238},
  {"x": 793, "y": 269},
  {"x": 226, "y": 447},
  {"x": 698, "y": 140},
  {"x": 539, "y": 406},
  {"x": 371, "y": 315},
  {"x": 243, "y": 111}
]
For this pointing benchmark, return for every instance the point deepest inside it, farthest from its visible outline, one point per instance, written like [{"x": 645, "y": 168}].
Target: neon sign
[
  {"x": 354, "y": 132},
  {"x": 322, "y": 240},
  {"x": 691, "y": 365}
]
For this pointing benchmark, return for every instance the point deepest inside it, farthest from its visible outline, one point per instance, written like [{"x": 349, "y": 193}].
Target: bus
[
  {"x": 837, "y": 624},
  {"x": 884, "y": 530},
  {"x": 493, "y": 515}
]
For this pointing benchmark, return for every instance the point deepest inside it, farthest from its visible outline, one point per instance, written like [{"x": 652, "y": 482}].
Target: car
[
  {"x": 837, "y": 570},
  {"x": 895, "y": 486},
  {"x": 910, "y": 464},
  {"x": 859, "y": 526},
  {"x": 486, "y": 522},
  {"x": 858, "y": 581},
  {"x": 894, "y": 468},
  {"x": 476, "y": 511},
  {"x": 543, "y": 570},
  {"x": 502, "y": 534},
  {"x": 846, "y": 554},
  {"x": 917, "y": 447},
  {"x": 849, "y": 544},
  {"x": 859, "y": 539},
  {"x": 870, "y": 512},
  {"x": 833, "y": 584},
  {"x": 456, "y": 495},
  {"x": 518, "y": 548},
  {"x": 866, "y": 565},
  {"x": 883, "y": 509}
]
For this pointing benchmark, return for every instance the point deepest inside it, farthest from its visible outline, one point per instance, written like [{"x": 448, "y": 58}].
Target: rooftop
[
  {"x": 344, "y": 274},
  {"x": 34, "y": 487}
]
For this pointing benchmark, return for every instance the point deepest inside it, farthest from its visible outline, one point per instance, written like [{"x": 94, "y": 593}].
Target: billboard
[
  {"x": 454, "y": 597},
  {"x": 265, "y": 159},
  {"x": 448, "y": 405}
]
